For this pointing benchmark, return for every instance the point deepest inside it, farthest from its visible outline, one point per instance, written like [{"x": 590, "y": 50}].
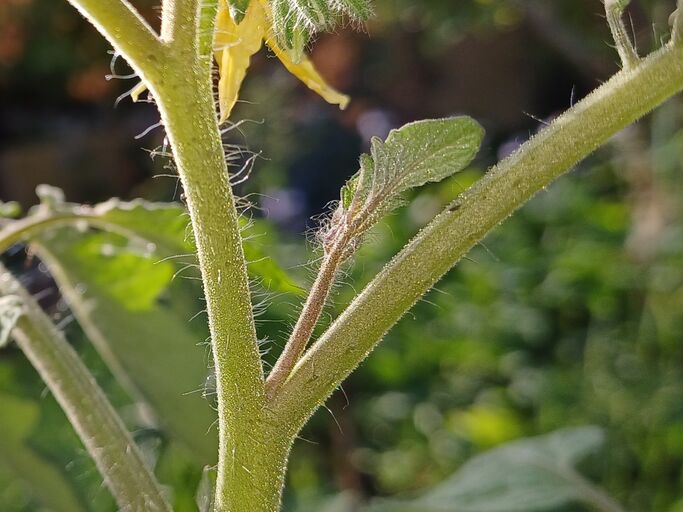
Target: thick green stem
[
  {"x": 178, "y": 27},
  {"x": 101, "y": 430},
  {"x": 190, "y": 121},
  {"x": 571, "y": 137},
  {"x": 246, "y": 472},
  {"x": 251, "y": 454}
]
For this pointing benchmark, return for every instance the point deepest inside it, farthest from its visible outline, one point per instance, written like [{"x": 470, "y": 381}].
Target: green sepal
[
  {"x": 238, "y": 8},
  {"x": 358, "y": 9},
  {"x": 291, "y": 33}
]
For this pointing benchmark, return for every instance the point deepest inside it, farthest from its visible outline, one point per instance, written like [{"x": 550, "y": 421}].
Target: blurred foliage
[{"x": 536, "y": 474}]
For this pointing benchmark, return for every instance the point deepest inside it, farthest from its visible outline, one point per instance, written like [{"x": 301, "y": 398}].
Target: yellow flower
[{"x": 235, "y": 44}]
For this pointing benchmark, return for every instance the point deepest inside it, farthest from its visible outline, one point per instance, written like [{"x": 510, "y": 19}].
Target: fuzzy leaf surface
[
  {"x": 530, "y": 475},
  {"x": 422, "y": 152},
  {"x": 413, "y": 155}
]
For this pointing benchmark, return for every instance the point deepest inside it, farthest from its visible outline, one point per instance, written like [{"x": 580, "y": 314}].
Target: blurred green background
[{"x": 569, "y": 314}]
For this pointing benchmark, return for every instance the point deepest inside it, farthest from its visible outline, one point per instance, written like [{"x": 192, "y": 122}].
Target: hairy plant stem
[
  {"x": 189, "y": 117},
  {"x": 177, "y": 22},
  {"x": 252, "y": 451},
  {"x": 252, "y": 448},
  {"x": 553, "y": 151},
  {"x": 614, "y": 10},
  {"x": 256, "y": 433},
  {"x": 677, "y": 31},
  {"x": 96, "y": 422},
  {"x": 308, "y": 319}
]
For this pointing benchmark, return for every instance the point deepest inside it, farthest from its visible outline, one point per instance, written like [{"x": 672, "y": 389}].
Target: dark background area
[{"x": 503, "y": 63}]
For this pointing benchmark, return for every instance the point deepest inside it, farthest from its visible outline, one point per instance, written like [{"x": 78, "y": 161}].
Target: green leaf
[
  {"x": 119, "y": 284},
  {"x": 424, "y": 151},
  {"x": 415, "y": 154},
  {"x": 295, "y": 21},
  {"x": 160, "y": 230},
  {"x": 348, "y": 191},
  {"x": 313, "y": 13},
  {"x": 18, "y": 417},
  {"x": 164, "y": 225},
  {"x": 134, "y": 279},
  {"x": 531, "y": 475},
  {"x": 291, "y": 29},
  {"x": 153, "y": 351}
]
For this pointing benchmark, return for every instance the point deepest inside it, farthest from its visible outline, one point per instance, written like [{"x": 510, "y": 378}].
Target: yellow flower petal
[
  {"x": 234, "y": 45},
  {"x": 306, "y": 72}
]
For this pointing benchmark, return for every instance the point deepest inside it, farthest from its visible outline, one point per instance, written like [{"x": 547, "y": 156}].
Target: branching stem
[
  {"x": 614, "y": 9},
  {"x": 256, "y": 434},
  {"x": 96, "y": 422},
  {"x": 252, "y": 453},
  {"x": 308, "y": 319},
  {"x": 189, "y": 117},
  {"x": 571, "y": 137}
]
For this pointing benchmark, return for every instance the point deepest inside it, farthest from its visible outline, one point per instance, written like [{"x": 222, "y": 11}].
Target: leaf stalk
[
  {"x": 99, "y": 427},
  {"x": 308, "y": 319}
]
